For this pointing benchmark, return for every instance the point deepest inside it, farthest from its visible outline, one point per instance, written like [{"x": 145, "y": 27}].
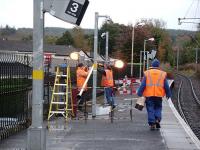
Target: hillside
[
  {"x": 26, "y": 33},
  {"x": 174, "y": 33}
]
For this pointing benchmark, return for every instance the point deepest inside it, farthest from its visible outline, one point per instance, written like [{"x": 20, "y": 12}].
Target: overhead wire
[
  {"x": 196, "y": 9},
  {"x": 189, "y": 8},
  {"x": 190, "y": 15},
  {"x": 195, "y": 14}
]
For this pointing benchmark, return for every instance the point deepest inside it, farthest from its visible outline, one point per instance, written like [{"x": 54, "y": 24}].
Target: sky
[{"x": 19, "y": 13}]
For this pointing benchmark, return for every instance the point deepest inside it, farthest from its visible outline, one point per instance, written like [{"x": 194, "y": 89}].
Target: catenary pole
[
  {"x": 196, "y": 60},
  {"x": 177, "y": 60}
]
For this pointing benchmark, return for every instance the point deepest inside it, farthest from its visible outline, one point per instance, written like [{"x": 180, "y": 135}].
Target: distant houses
[{"x": 59, "y": 53}]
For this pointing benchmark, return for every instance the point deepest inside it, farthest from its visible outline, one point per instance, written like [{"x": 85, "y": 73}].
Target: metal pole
[
  {"x": 177, "y": 61},
  {"x": 36, "y": 133},
  {"x": 196, "y": 58},
  {"x": 95, "y": 66},
  {"x": 132, "y": 52},
  {"x": 107, "y": 36},
  {"x": 140, "y": 63},
  {"x": 144, "y": 55},
  {"x": 147, "y": 60}
]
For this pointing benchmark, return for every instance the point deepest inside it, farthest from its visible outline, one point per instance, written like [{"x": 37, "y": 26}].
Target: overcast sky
[{"x": 19, "y": 13}]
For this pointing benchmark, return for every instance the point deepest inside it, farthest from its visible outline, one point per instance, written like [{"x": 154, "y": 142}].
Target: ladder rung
[
  {"x": 61, "y": 93},
  {"x": 61, "y": 75},
  {"x": 57, "y": 129},
  {"x": 61, "y": 84},
  {"x": 58, "y": 112},
  {"x": 58, "y": 102}
]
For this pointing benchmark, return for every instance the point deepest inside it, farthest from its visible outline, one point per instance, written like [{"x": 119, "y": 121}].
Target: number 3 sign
[
  {"x": 71, "y": 11},
  {"x": 73, "y": 8}
]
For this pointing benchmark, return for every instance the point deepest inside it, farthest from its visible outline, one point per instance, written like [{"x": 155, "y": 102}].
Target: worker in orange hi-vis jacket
[
  {"x": 81, "y": 74},
  {"x": 154, "y": 87},
  {"x": 108, "y": 82}
]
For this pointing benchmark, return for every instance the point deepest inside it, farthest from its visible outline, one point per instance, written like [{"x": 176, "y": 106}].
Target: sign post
[
  {"x": 37, "y": 132},
  {"x": 71, "y": 11}
]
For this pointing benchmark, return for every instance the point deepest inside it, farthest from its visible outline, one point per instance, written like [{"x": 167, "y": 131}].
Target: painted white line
[{"x": 187, "y": 128}]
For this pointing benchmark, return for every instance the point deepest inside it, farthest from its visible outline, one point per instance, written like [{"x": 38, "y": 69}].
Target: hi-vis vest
[
  {"x": 154, "y": 83},
  {"x": 107, "y": 81},
  {"x": 81, "y": 75}
]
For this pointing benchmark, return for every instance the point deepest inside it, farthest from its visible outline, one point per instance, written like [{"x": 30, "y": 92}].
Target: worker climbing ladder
[{"x": 61, "y": 101}]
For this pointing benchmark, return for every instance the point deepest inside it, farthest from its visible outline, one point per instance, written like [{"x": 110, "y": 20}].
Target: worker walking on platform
[
  {"x": 154, "y": 86},
  {"x": 81, "y": 74},
  {"x": 108, "y": 83}
]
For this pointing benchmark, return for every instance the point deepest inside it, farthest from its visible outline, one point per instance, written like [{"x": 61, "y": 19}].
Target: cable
[
  {"x": 195, "y": 15},
  {"x": 189, "y": 8}
]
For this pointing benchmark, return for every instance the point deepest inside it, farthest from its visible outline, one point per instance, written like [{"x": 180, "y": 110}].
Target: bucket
[{"x": 140, "y": 103}]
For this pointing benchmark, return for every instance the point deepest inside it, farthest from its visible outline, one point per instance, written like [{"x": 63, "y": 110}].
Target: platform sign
[
  {"x": 71, "y": 11},
  {"x": 152, "y": 54}
]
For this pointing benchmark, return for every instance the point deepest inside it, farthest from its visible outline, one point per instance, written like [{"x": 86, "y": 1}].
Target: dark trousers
[
  {"x": 109, "y": 95},
  {"x": 154, "y": 109}
]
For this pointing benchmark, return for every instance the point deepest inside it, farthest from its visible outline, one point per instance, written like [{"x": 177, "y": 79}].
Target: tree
[
  {"x": 163, "y": 42},
  {"x": 7, "y": 31},
  {"x": 114, "y": 32},
  {"x": 66, "y": 39},
  {"x": 51, "y": 40},
  {"x": 80, "y": 40}
]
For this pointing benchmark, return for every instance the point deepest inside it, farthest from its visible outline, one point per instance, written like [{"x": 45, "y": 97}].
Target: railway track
[{"x": 188, "y": 103}]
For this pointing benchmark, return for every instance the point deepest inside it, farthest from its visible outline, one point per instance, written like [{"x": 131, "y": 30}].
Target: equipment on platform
[{"x": 61, "y": 100}]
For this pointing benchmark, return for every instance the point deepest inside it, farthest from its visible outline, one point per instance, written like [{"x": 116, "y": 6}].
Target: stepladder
[{"x": 61, "y": 105}]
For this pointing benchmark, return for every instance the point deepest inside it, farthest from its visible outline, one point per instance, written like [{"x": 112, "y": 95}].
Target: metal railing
[{"x": 15, "y": 93}]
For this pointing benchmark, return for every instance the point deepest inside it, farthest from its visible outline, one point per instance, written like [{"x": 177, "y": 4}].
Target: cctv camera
[{"x": 103, "y": 34}]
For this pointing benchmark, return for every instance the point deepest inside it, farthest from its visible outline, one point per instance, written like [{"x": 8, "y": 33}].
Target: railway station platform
[{"x": 120, "y": 134}]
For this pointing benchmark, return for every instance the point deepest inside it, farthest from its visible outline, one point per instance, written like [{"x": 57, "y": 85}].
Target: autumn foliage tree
[
  {"x": 120, "y": 39},
  {"x": 80, "y": 40}
]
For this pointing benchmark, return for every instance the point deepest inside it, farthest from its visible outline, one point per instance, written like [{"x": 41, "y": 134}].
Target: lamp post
[
  {"x": 106, "y": 56},
  {"x": 144, "y": 58},
  {"x": 97, "y": 16},
  {"x": 132, "y": 46},
  {"x": 74, "y": 55},
  {"x": 119, "y": 64}
]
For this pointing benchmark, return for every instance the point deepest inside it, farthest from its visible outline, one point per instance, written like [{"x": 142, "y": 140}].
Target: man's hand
[{"x": 86, "y": 68}]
